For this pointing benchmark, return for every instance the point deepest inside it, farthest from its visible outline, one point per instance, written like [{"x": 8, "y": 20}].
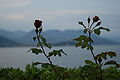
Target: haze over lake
[{"x": 17, "y": 56}]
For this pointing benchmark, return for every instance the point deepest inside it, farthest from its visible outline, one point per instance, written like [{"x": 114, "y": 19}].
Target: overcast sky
[{"x": 57, "y": 14}]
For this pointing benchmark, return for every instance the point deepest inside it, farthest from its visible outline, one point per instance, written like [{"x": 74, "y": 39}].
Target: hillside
[
  {"x": 8, "y": 34},
  {"x": 64, "y": 37},
  {"x": 55, "y": 37},
  {"x": 7, "y": 42}
]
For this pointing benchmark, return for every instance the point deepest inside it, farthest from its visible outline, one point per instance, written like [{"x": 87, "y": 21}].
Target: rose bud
[
  {"x": 95, "y": 19},
  {"x": 38, "y": 23},
  {"x": 88, "y": 19},
  {"x": 99, "y": 23}
]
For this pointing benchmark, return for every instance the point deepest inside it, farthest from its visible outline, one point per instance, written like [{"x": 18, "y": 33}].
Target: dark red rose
[
  {"x": 95, "y": 19},
  {"x": 38, "y": 23}
]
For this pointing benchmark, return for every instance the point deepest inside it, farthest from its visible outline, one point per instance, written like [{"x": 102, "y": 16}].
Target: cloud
[
  {"x": 14, "y": 17},
  {"x": 5, "y": 4},
  {"x": 25, "y": 16},
  {"x": 78, "y": 12}
]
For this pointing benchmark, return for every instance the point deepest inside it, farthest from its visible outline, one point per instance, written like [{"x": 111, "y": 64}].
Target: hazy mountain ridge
[
  {"x": 55, "y": 37},
  {"x": 8, "y": 34},
  {"x": 20, "y": 33},
  {"x": 7, "y": 42}
]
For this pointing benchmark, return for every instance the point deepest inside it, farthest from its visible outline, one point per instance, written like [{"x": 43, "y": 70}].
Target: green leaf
[
  {"x": 89, "y": 46},
  {"x": 48, "y": 45},
  {"x": 89, "y": 62},
  {"x": 34, "y": 38},
  {"x": 56, "y": 52},
  {"x": 90, "y": 40},
  {"x": 83, "y": 37},
  {"x": 85, "y": 31},
  {"x": 83, "y": 41},
  {"x": 104, "y": 56},
  {"x": 118, "y": 65},
  {"x": 111, "y": 62},
  {"x": 81, "y": 23},
  {"x": 77, "y": 39},
  {"x": 97, "y": 31},
  {"x": 59, "y": 54},
  {"x": 106, "y": 29},
  {"x": 46, "y": 65},
  {"x": 63, "y": 52},
  {"x": 38, "y": 44},
  {"x": 50, "y": 54},
  {"x": 78, "y": 44},
  {"x": 44, "y": 42},
  {"x": 42, "y": 38},
  {"x": 35, "y": 50},
  {"x": 111, "y": 54},
  {"x": 36, "y": 63},
  {"x": 100, "y": 60},
  {"x": 83, "y": 46}
]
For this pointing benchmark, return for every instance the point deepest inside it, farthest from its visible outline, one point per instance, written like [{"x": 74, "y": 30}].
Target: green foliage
[
  {"x": 39, "y": 44},
  {"x": 111, "y": 62},
  {"x": 11, "y": 74},
  {"x": 32, "y": 72},
  {"x": 83, "y": 41},
  {"x": 36, "y": 51},
  {"x": 104, "y": 55},
  {"x": 57, "y": 52},
  {"x": 34, "y": 38},
  {"x": 81, "y": 23},
  {"x": 45, "y": 42},
  {"x": 97, "y": 31},
  {"x": 89, "y": 62},
  {"x": 46, "y": 72},
  {"x": 106, "y": 29},
  {"x": 42, "y": 38},
  {"x": 85, "y": 31}
]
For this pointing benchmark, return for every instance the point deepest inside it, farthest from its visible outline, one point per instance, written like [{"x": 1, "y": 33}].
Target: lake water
[{"x": 17, "y": 56}]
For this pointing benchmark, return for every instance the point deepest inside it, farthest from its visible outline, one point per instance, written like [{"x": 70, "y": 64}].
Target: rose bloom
[
  {"x": 38, "y": 23},
  {"x": 95, "y": 19}
]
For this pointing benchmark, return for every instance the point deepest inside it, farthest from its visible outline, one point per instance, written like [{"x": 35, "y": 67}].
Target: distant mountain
[
  {"x": 115, "y": 38},
  {"x": 64, "y": 37},
  {"x": 27, "y": 39},
  {"x": 55, "y": 37},
  {"x": 20, "y": 33},
  {"x": 14, "y": 36},
  {"x": 8, "y": 34},
  {"x": 4, "y": 42}
]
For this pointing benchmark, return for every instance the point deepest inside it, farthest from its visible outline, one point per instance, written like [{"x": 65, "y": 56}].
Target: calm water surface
[{"x": 17, "y": 56}]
